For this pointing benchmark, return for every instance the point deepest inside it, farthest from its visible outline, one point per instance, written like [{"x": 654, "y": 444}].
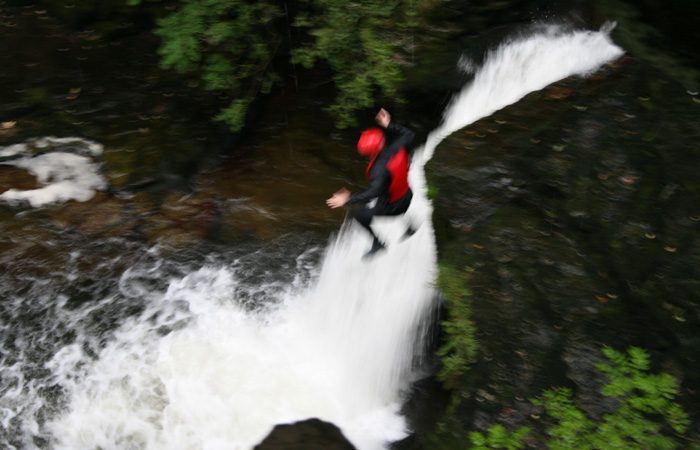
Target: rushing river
[{"x": 112, "y": 341}]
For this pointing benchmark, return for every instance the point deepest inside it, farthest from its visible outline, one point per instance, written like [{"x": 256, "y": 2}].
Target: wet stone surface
[
  {"x": 311, "y": 434},
  {"x": 16, "y": 178}
]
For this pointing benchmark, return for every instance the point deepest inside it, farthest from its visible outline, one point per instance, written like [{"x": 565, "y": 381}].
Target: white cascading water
[{"x": 341, "y": 349}]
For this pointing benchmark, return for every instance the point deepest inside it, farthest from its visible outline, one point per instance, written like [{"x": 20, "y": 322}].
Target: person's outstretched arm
[{"x": 404, "y": 135}]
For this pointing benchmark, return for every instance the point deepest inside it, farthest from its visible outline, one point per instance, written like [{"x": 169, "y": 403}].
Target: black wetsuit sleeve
[
  {"x": 404, "y": 136},
  {"x": 377, "y": 184}
]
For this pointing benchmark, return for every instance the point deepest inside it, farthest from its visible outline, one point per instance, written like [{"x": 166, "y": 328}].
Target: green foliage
[
  {"x": 232, "y": 47},
  {"x": 497, "y": 437},
  {"x": 362, "y": 42},
  {"x": 573, "y": 428},
  {"x": 645, "y": 402},
  {"x": 642, "y": 397},
  {"x": 228, "y": 44},
  {"x": 460, "y": 347}
]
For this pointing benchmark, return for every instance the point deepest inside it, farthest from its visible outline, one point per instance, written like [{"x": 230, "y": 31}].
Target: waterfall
[
  {"x": 198, "y": 370},
  {"x": 516, "y": 68}
]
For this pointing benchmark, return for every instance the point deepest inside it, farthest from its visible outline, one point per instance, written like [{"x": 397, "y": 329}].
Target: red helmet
[{"x": 371, "y": 142}]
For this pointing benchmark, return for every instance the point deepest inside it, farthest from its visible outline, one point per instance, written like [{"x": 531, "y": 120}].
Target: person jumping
[{"x": 387, "y": 174}]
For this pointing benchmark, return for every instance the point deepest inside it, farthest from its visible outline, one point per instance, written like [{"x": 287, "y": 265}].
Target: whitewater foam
[{"x": 66, "y": 170}]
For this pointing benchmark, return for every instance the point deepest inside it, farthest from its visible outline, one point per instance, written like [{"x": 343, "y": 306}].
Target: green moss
[
  {"x": 459, "y": 349},
  {"x": 433, "y": 191}
]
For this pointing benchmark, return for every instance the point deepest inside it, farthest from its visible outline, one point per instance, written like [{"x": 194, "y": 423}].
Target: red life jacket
[{"x": 398, "y": 170}]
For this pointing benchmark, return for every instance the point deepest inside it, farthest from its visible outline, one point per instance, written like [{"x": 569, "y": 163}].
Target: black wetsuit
[{"x": 380, "y": 180}]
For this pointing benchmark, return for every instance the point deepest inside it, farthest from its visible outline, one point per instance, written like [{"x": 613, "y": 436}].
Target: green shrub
[
  {"x": 497, "y": 437},
  {"x": 644, "y": 419},
  {"x": 364, "y": 43},
  {"x": 235, "y": 47},
  {"x": 228, "y": 44}
]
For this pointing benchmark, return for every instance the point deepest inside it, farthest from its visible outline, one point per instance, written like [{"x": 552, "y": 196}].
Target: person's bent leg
[
  {"x": 400, "y": 208},
  {"x": 364, "y": 217}
]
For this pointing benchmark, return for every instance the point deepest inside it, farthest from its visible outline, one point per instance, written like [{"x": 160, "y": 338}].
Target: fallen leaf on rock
[
  {"x": 9, "y": 124},
  {"x": 558, "y": 93},
  {"x": 507, "y": 412},
  {"x": 73, "y": 93},
  {"x": 559, "y": 148}
]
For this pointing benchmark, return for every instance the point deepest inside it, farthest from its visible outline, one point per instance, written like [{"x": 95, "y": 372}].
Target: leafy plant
[
  {"x": 364, "y": 44},
  {"x": 234, "y": 46},
  {"x": 645, "y": 405},
  {"x": 497, "y": 437},
  {"x": 642, "y": 397},
  {"x": 228, "y": 44}
]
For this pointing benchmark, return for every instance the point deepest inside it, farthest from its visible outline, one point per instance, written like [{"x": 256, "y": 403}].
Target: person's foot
[
  {"x": 410, "y": 231},
  {"x": 377, "y": 247}
]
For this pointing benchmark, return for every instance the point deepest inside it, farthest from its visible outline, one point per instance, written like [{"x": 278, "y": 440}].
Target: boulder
[{"x": 311, "y": 434}]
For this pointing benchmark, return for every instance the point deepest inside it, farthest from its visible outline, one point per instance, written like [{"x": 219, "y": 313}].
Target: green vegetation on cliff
[
  {"x": 460, "y": 346},
  {"x": 646, "y": 415}
]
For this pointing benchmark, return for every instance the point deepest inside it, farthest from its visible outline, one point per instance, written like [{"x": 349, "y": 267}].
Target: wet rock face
[
  {"x": 575, "y": 217},
  {"x": 16, "y": 178},
  {"x": 312, "y": 434}
]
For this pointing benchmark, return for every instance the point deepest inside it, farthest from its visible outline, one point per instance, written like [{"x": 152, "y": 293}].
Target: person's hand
[
  {"x": 383, "y": 118},
  {"x": 339, "y": 199}
]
